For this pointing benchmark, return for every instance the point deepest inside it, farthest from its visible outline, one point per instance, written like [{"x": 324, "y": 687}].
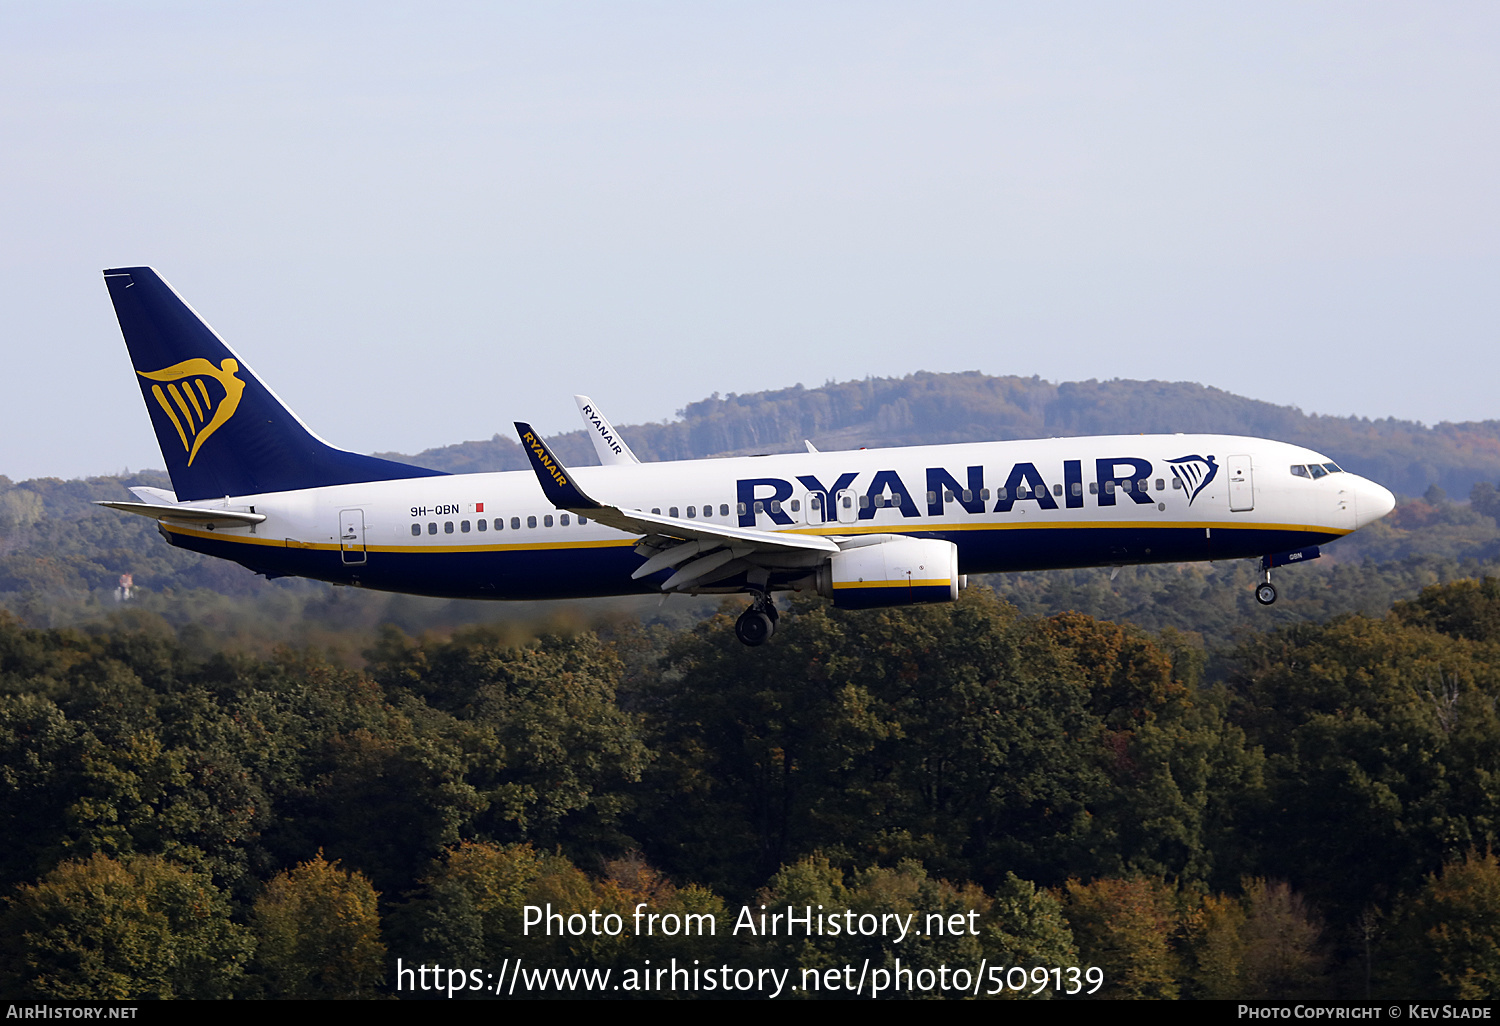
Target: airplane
[{"x": 865, "y": 528}]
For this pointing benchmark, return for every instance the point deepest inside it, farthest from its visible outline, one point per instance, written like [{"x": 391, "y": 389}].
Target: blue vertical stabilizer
[{"x": 221, "y": 430}]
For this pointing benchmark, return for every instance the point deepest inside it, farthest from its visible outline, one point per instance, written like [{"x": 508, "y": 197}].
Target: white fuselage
[{"x": 1036, "y": 504}]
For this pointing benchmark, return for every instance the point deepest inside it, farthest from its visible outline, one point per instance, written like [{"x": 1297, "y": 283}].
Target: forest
[
  {"x": 1311, "y": 813},
  {"x": 224, "y": 787}
]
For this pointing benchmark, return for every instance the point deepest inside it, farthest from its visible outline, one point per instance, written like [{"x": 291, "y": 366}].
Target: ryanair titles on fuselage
[{"x": 1111, "y": 477}]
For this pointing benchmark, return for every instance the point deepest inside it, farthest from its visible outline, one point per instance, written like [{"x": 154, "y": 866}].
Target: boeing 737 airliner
[{"x": 872, "y": 527}]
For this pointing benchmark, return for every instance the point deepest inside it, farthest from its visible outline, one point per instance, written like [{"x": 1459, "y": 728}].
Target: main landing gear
[{"x": 756, "y": 624}]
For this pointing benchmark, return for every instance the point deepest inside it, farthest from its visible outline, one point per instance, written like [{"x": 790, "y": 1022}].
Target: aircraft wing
[{"x": 721, "y": 550}]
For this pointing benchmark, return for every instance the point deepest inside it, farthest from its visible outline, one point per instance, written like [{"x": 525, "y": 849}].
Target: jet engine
[{"x": 890, "y": 570}]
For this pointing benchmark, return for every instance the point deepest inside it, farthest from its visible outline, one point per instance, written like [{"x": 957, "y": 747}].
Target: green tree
[
  {"x": 1447, "y": 939},
  {"x": 552, "y": 752},
  {"x": 1382, "y": 744},
  {"x": 116, "y": 930}
]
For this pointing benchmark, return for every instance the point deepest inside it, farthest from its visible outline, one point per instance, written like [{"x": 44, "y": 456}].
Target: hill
[
  {"x": 924, "y": 408},
  {"x": 61, "y": 557}
]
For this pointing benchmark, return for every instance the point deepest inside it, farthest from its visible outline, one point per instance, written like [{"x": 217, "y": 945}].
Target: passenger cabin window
[
  {"x": 531, "y": 521},
  {"x": 563, "y": 520},
  {"x": 484, "y": 524},
  {"x": 1177, "y": 484},
  {"x": 515, "y": 523},
  {"x": 432, "y": 528},
  {"x": 1160, "y": 484},
  {"x": 692, "y": 512},
  {"x": 723, "y": 509},
  {"x": 582, "y": 521},
  {"x": 463, "y": 525},
  {"x": 796, "y": 505},
  {"x": 416, "y": 530},
  {"x": 1057, "y": 489},
  {"x": 1093, "y": 487},
  {"x": 672, "y": 512},
  {"x": 447, "y": 527},
  {"x": 1076, "y": 488}
]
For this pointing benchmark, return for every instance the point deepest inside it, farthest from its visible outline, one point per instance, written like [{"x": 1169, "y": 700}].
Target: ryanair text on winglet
[
  {"x": 545, "y": 458},
  {"x": 609, "y": 439}
]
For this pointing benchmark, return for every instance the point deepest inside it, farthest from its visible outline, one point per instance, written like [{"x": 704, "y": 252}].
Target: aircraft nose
[{"x": 1372, "y": 501}]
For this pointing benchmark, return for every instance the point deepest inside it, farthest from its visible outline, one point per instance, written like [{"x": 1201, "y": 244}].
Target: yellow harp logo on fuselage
[{"x": 191, "y": 405}]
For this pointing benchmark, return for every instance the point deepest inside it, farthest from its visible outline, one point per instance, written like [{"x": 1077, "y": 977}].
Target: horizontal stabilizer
[{"x": 188, "y": 514}]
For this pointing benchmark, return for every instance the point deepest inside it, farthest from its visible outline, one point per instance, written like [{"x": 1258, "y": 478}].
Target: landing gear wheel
[
  {"x": 1265, "y": 593},
  {"x": 754, "y": 627}
]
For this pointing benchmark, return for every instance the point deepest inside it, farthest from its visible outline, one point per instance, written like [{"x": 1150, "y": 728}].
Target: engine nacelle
[{"x": 891, "y": 571}]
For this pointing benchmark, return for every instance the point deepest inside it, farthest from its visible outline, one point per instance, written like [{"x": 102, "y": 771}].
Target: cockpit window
[
  {"x": 1300, "y": 471},
  {"x": 1317, "y": 471},
  {"x": 1332, "y": 468}
]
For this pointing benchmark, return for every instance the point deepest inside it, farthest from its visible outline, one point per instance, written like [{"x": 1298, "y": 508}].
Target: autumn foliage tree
[{"x": 318, "y": 928}]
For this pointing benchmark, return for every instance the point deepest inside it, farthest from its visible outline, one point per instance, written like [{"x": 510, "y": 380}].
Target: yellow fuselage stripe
[{"x": 841, "y": 529}]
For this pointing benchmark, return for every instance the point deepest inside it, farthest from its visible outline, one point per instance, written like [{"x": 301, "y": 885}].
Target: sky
[{"x": 421, "y": 222}]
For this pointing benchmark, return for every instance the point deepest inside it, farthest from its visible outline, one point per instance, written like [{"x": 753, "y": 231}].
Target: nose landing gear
[{"x": 1265, "y": 591}]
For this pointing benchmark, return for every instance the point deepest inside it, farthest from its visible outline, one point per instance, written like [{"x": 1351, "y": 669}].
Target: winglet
[
  {"x": 556, "y": 480},
  {"x": 608, "y": 444}
]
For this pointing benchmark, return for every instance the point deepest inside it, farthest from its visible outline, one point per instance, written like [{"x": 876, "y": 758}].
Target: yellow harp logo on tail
[{"x": 191, "y": 401}]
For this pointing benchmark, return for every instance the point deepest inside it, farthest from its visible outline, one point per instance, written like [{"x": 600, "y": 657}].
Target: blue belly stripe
[{"x": 575, "y": 572}]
